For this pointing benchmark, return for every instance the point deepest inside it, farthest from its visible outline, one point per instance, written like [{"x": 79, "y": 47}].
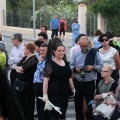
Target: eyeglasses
[
  {"x": 104, "y": 71},
  {"x": 104, "y": 40},
  {"x": 85, "y": 46}
]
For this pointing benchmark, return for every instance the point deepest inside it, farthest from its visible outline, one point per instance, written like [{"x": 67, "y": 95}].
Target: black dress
[
  {"x": 26, "y": 98},
  {"x": 58, "y": 87}
]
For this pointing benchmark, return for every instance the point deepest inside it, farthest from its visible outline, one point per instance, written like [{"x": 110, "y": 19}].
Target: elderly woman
[
  {"x": 109, "y": 55},
  {"x": 106, "y": 85},
  {"x": 116, "y": 114},
  {"x": 25, "y": 69}
]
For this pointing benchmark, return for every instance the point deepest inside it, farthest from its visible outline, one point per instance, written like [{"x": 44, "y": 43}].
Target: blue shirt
[
  {"x": 97, "y": 44},
  {"x": 54, "y": 23},
  {"x": 75, "y": 28},
  {"x": 38, "y": 75},
  {"x": 78, "y": 60}
]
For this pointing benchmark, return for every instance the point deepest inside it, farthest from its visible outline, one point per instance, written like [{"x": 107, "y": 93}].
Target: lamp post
[{"x": 34, "y": 19}]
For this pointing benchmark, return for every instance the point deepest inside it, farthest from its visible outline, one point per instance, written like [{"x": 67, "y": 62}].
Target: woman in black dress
[
  {"x": 25, "y": 69},
  {"x": 57, "y": 82}
]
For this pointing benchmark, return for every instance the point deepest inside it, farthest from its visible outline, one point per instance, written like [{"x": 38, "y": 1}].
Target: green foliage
[
  {"x": 110, "y": 9},
  {"x": 44, "y": 15}
]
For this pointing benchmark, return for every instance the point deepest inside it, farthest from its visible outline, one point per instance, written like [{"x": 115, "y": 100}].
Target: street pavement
[{"x": 28, "y": 38}]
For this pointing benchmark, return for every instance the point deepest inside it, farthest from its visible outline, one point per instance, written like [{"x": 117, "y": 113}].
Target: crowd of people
[{"x": 40, "y": 70}]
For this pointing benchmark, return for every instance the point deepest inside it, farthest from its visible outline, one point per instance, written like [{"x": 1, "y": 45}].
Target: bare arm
[
  {"x": 117, "y": 61},
  {"x": 98, "y": 96},
  {"x": 71, "y": 84},
  {"x": 45, "y": 85}
]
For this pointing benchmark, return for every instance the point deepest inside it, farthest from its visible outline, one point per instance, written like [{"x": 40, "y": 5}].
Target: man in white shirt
[{"x": 16, "y": 55}]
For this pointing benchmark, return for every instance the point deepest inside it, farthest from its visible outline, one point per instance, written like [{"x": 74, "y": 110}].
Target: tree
[{"x": 110, "y": 9}]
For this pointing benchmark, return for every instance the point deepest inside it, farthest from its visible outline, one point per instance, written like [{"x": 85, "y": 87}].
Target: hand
[
  {"x": 110, "y": 102},
  {"x": 89, "y": 68},
  {"x": 78, "y": 69},
  {"x": 111, "y": 93},
  {"x": 19, "y": 69},
  {"x": 20, "y": 56},
  {"x": 45, "y": 97},
  {"x": 72, "y": 94}
]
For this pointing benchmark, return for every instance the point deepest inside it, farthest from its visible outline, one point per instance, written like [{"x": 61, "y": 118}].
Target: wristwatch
[{"x": 95, "y": 68}]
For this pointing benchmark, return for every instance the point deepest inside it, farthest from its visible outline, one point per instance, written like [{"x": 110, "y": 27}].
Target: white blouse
[{"x": 108, "y": 57}]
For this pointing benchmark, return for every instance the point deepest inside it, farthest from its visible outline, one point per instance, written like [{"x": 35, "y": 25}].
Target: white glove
[
  {"x": 45, "y": 97},
  {"x": 72, "y": 93},
  {"x": 48, "y": 106}
]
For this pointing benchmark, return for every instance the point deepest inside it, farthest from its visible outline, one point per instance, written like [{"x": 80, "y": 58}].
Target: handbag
[
  {"x": 18, "y": 85},
  {"x": 105, "y": 110}
]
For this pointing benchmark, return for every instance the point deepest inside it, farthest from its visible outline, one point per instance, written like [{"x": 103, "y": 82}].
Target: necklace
[{"x": 101, "y": 51}]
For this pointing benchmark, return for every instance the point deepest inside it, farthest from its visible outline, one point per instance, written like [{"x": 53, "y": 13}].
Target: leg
[
  {"x": 115, "y": 115},
  {"x": 60, "y": 34},
  {"x": 78, "y": 101},
  {"x": 89, "y": 114},
  {"x": 39, "y": 103},
  {"x": 63, "y": 34},
  {"x": 84, "y": 108},
  {"x": 99, "y": 117},
  {"x": 28, "y": 102},
  {"x": 56, "y": 32},
  {"x": 89, "y": 95},
  {"x": 73, "y": 40},
  {"x": 53, "y": 33}
]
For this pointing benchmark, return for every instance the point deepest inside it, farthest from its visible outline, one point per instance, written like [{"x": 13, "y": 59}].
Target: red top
[{"x": 65, "y": 25}]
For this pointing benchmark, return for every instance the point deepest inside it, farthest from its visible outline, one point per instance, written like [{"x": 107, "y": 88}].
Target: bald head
[
  {"x": 84, "y": 43},
  {"x": 83, "y": 39}
]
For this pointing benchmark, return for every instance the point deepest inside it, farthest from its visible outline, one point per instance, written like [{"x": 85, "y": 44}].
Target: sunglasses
[
  {"x": 104, "y": 71},
  {"x": 104, "y": 40}
]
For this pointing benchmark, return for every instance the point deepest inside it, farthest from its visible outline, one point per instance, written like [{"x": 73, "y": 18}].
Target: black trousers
[
  {"x": 54, "y": 33},
  {"x": 13, "y": 76},
  {"x": 83, "y": 89},
  {"x": 115, "y": 116},
  {"x": 38, "y": 88}
]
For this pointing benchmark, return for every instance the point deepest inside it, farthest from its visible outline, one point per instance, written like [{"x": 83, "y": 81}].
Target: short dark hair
[
  {"x": 44, "y": 45},
  {"x": 101, "y": 37},
  {"x": 18, "y": 35},
  {"x": 38, "y": 43},
  {"x": 76, "y": 40},
  {"x": 43, "y": 34},
  {"x": 75, "y": 19},
  {"x": 44, "y": 27},
  {"x": 97, "y": 32},
  {"x": 110, "y": 34},
  {"x": 80, "y": 35}
]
